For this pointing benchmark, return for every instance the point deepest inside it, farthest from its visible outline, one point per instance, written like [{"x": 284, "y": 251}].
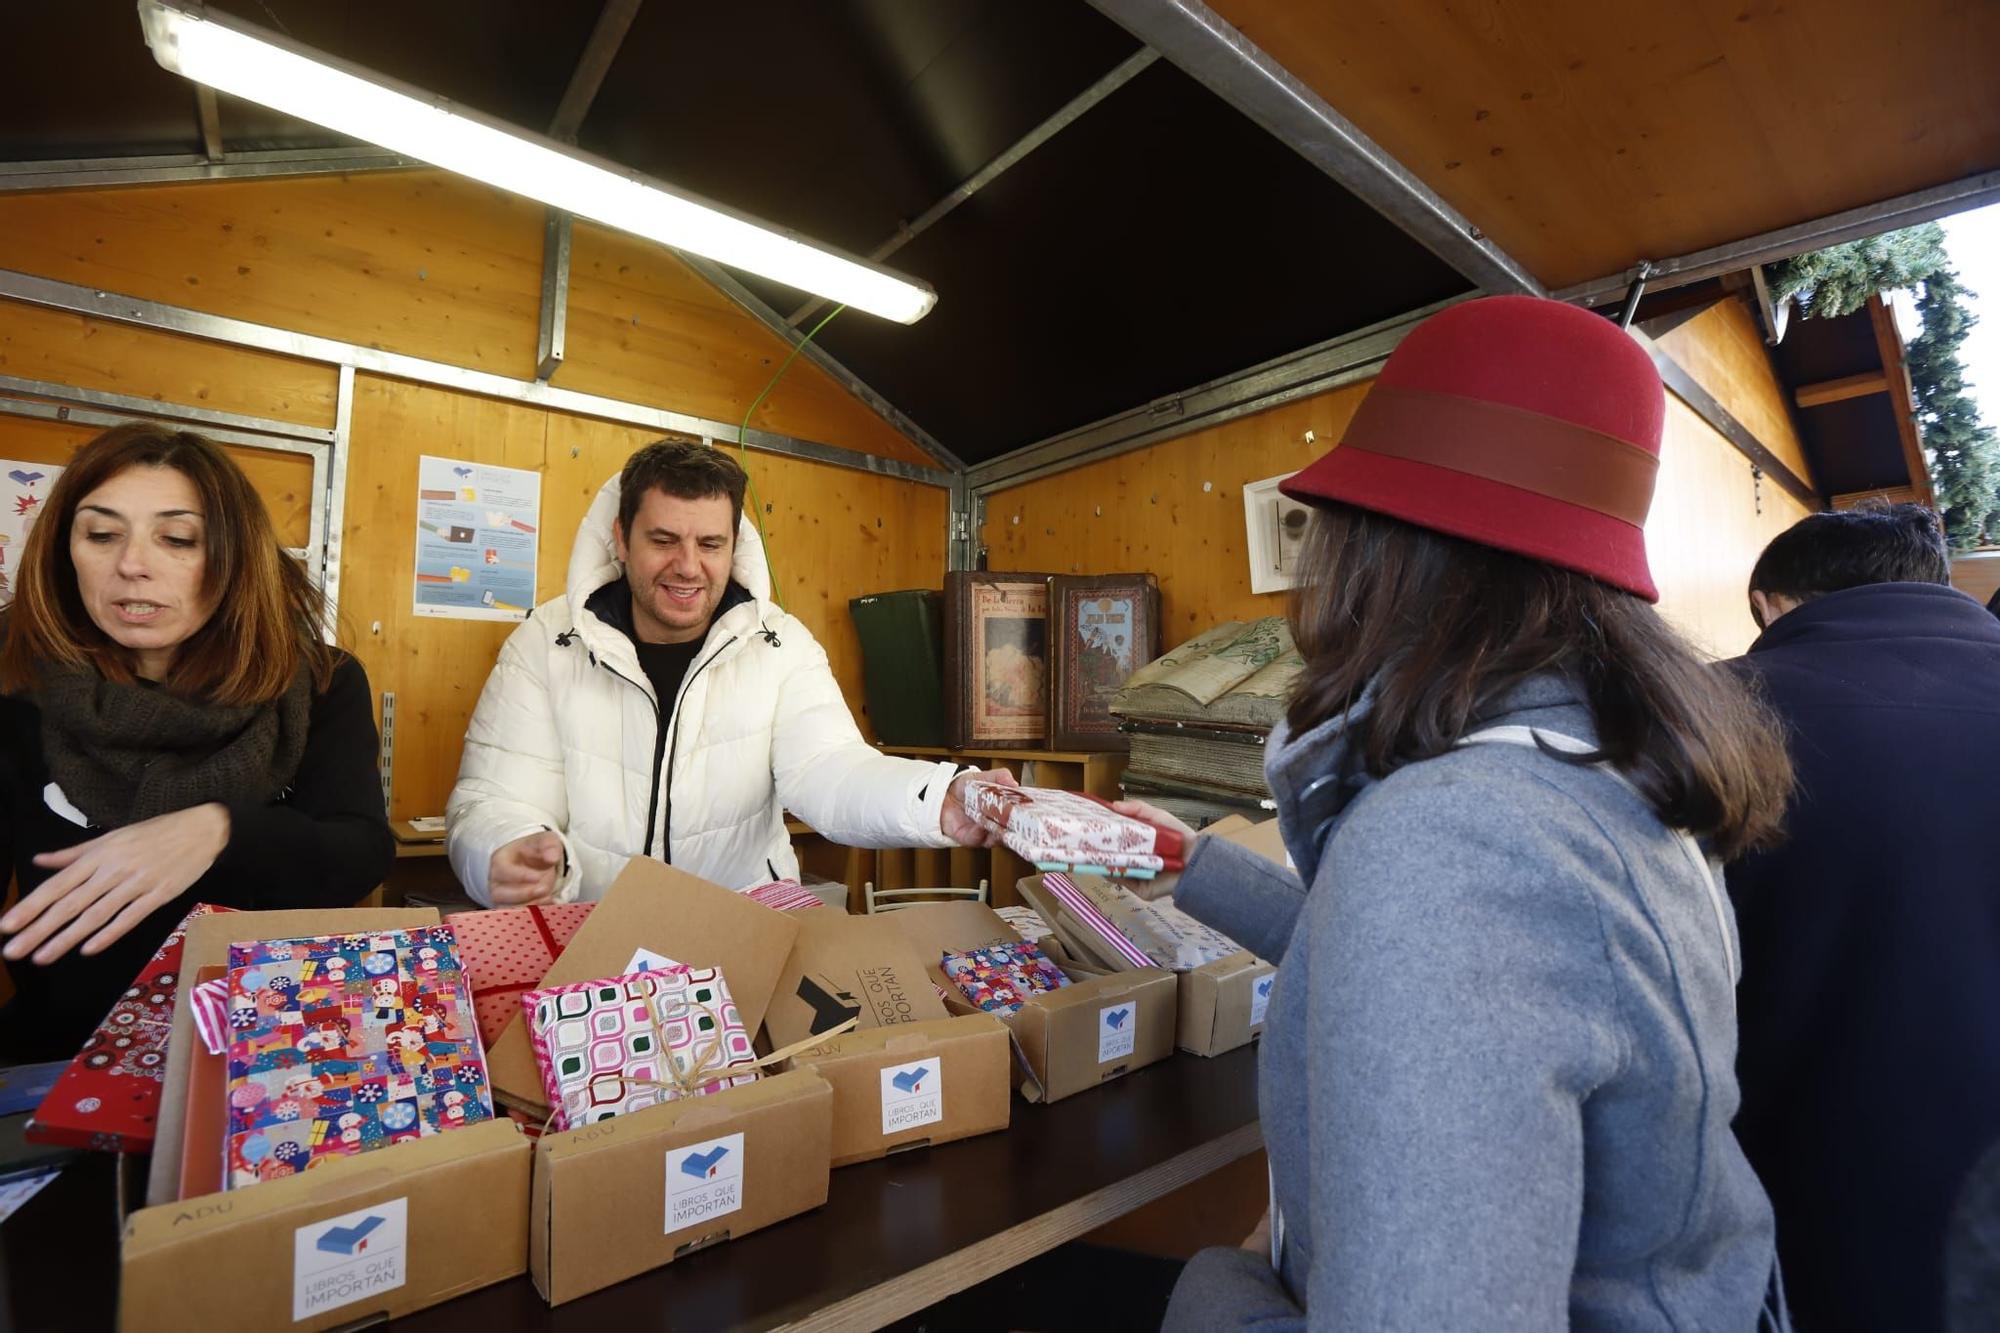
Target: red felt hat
[{"x": 1523, "y": 424}]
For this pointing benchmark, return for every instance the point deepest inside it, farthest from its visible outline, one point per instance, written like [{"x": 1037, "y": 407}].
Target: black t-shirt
[{"x": 666, "y": 665}]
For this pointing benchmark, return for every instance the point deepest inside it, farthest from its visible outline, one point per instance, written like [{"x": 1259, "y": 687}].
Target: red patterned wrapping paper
[
  {"x": 784, "y": 895},
  {"x": 508, "y": 951},
  {"x": 1044, "y": 824},
  {"x": 109, "y": 1097}
]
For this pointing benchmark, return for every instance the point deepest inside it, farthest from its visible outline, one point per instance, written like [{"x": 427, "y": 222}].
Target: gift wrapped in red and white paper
[
  {"x": 109, "y": 1097},
  {"x": 1069, "y": 828},
  {"x": 508, "y": 951},
  {"x": 785, "y": 895}
]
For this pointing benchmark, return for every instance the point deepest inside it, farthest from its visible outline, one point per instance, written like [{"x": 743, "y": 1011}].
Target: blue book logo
[
  {"x": 911, "y": 1080},
  {"x": 1264, "y": 988},
  {"x": 348, "y": 1240},
  {"x": 25, "y": 478},
  {"x": 701, "y": 1165},
  {"x": 1115, "y": 1020}
]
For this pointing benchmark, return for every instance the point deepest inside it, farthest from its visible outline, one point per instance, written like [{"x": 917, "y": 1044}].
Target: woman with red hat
[{"x": 1496, "y": 1078}]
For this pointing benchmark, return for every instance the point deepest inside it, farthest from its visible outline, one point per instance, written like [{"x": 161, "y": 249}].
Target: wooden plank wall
[
  {"x": 1723, "y": 349},
  {"x": 284, "y": 480},
  {"x": 1977, "y": 575},
  {"x": 1176, "y": 508},
  {"x": 423, "y": 264}
]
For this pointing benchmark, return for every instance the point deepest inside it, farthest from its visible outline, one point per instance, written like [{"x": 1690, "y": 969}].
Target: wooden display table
[{"x": 894, "y": 1237}]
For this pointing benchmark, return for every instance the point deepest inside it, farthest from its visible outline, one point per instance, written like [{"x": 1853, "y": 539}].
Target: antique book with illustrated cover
[
  {"x": 1102, "y": 628},
  {"x": 996, "y": 658},
  {"x": 1237, "y": 674}
]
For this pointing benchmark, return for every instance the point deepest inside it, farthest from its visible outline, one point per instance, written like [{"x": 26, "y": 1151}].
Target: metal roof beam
[
  {"x": 183, "y": 168},
  {"x": 555, "y": 294},
  {"x": 613, "y": 23},
  {"x": 210, "y": 116},
  {"x": 1311, "y": 370},
  {"x": 1769, "y": 247},
  {"x": 725, "y": 282},
  {"x": 1232, "y": 67},
  {"x": 1127, "y": 70}
]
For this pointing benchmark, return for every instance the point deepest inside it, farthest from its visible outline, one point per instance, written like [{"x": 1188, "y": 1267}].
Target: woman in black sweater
[{"x": 173, "y": 730}]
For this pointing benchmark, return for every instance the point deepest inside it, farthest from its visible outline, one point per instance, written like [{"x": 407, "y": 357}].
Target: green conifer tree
[{"x": 1964, "y": 453}]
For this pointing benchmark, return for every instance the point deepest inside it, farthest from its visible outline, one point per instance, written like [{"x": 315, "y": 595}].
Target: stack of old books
[{"x": 1199, "y": 716}]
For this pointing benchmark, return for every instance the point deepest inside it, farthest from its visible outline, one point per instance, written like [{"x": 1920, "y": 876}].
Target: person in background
[
  {"x": 173, "y": 729},
  {"x": 1496, "y": 1072},
  {"x": 666, "y": 706},
  {"x": 1871, "y": 938}
]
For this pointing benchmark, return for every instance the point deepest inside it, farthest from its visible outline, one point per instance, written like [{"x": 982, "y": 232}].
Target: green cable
[{"x": 743, "y": 446}]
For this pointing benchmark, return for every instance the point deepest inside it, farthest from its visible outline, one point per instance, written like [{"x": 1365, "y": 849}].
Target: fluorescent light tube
[{"x": 245, "y": 62}]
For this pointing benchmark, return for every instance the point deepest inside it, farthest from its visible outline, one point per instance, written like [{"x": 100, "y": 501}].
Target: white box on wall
[{"x": 1276, "y": 525}]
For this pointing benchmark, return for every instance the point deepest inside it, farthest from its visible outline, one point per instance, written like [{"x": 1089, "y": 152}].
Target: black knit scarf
[{"x": 123, "y": 753}]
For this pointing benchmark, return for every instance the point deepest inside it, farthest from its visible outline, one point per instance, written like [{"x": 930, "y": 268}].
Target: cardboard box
[
  {"x": 1075, "y": 1038},
  {"x": 1222, "y": 1003},
  {"x": 1262, "y": 838},
  {"x": 912, "y": 1084},
  {"x": 844, "y": 967},
  {"x": 360, "y": 1238},
  {"x": 376, "y": 1235},
  {"x": 623, "y": 1196},
  {"x": 669, "y": 912}
]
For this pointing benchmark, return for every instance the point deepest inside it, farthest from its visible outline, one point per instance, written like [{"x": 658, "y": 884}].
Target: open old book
[{"x": 1238, "y": 674}]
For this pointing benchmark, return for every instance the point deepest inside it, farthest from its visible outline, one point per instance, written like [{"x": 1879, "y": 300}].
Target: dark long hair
[
  {"x": 267, "y": 614},
  {"x": 1445, "y": 628}
]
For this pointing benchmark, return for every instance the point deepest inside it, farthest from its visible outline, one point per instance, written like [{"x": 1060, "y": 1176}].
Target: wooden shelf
[{"x": 1001, "y": 752}]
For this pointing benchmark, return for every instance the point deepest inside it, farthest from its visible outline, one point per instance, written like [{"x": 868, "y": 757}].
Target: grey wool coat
[{"x": 1497, "y": 1073}]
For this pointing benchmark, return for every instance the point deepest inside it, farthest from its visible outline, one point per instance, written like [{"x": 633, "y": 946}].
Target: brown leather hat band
[{"x": 1550, "y": 457}]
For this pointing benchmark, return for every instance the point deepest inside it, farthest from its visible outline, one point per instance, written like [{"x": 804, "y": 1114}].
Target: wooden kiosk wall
[
  {"x": 427, "y": 265},
  {"x": 1176, "y": 508}
]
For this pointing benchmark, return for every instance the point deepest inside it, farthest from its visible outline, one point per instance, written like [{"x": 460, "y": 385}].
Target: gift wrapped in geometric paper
[
  {"x": 620, "y": 1044},
  {"x": 344, "y": 1043},
  {"x": 508, "y": 951},
  {"x": 109, "y": 1097}
]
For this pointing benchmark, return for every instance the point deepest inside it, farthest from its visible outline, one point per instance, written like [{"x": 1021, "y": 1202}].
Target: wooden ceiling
[{"x": 1586, "y": 135}]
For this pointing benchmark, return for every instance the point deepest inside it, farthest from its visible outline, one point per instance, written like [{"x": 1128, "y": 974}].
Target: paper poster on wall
[
  {"x": 477, "y": 528},
  {"x": 23, "y": 488}
]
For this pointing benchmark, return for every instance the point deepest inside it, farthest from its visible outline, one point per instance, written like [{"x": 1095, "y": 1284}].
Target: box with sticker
[
  {"x": 623, "y": 1196},
  {"x": 1223, "y": 1003},
  {"x": 354, "y": 1240},
  {"x": 1096, "y": 1028},
  {"x": 911, "y": 1084},
  {"x": 653, "y": 916}
]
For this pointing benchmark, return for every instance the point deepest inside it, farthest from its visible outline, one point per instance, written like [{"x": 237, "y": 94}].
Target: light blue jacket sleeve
[{"x": 1251, "y": 900}]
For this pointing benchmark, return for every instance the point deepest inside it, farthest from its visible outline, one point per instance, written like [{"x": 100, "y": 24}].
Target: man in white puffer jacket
[{"x": 665, "y": 706}]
